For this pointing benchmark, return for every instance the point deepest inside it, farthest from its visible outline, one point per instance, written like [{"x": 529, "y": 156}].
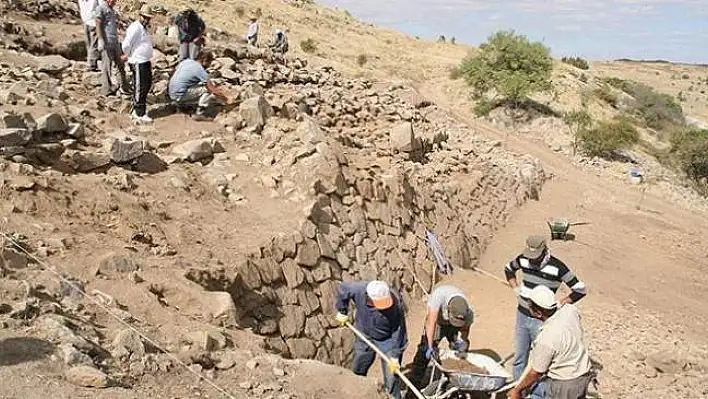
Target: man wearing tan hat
[
  {"x": 539, "y": 268},
  {"x": 559, "y": 352},
  {"x": 381, "y": 318},
  {"x": 252, "y": 34},
  {"x": 137, "y": 49},
  {"x": 449, "y": 316}
]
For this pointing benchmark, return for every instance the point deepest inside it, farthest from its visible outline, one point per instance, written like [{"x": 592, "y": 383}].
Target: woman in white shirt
[{"x": 137, "y": 51}]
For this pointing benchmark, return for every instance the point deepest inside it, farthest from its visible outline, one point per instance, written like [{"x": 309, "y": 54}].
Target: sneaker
[
  {"x": 201, "y": 118},
  {"x": 134, "y": 116},
  {"x": 145, "y": 119}
]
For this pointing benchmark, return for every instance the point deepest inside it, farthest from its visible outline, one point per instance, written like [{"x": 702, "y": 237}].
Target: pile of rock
[{"x": 53, "y": 141}]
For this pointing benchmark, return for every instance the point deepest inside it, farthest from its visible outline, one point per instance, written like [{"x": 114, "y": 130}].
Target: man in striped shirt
[{"x": 539, "y": 267}]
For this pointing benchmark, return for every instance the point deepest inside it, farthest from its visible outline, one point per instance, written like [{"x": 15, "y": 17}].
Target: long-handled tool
[{"x": 386, "y": 359}]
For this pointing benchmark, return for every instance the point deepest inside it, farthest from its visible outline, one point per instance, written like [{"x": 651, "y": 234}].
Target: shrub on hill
[
  {"x": 510, "y": 66},
  {"x": 689, "y": 147},
  {"x": 608, "y": 137},
  {"x": 362, "y": 59},
  {"x": 308, "y": 45},
  {"x": 578, "y": 122},
  {"x": 576, "y": 62},
  {"x": 658, "y": 110}
]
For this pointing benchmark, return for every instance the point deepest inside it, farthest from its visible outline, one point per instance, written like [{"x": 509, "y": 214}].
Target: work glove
[
  {"x": 431, "y": 353},
  {"x": 460, "y": 345},
  {"x": 341, "y": 319},
  {"x": 393, "y": 366},
  {"x": 101, "y": 46}
]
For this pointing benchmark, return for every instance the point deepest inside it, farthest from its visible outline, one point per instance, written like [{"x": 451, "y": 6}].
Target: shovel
[{"x": 386, "y": 359}]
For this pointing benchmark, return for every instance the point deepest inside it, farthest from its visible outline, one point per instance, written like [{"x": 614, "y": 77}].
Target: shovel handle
[{"x": 403, "y": 378}]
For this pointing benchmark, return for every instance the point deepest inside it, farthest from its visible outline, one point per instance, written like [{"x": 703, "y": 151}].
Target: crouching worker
[
  {"x": 280, "y": 42},
  {"x": 380, "y": 317},
  {"x": 190, "y": 86},
  {"x": 449, "y": 316},
  {"x": 559, "y": 353}
]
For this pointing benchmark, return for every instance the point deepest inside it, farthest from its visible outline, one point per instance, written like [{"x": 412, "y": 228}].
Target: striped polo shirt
[{"x": 551, "y": 273}]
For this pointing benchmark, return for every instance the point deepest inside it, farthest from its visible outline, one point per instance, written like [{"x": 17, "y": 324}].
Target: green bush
[
  {"x": 485, "y": 106},
  {"x": 510, "y": 65},
  {"x": 455, "y": 73},
  {"x": 690, "y": 149},
  {"x": 608, "y": 137},
  {"x": 579, "y": 122},
  {"x": 658, "y": 110},
  {"x": 308, "y": 45},
  {"x": 583, "y": 78},
  {"x": 604, "y": 93},
  {"x": 576, "y": 62}
]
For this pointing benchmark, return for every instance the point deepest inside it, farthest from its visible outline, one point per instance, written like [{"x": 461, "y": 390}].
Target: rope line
[{"x": 106, "y": 309}]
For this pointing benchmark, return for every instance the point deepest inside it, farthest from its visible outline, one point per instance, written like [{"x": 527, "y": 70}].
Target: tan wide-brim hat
[
  {"x": 535, "y": 245},
  {"x": 146, "y": 11}
]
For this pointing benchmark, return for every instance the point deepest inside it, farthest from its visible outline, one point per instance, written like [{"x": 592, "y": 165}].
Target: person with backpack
[{"x": 191, "y": 29}]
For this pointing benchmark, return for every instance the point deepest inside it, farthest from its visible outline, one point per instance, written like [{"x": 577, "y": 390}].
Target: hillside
[{"x": 222, "y": 242}]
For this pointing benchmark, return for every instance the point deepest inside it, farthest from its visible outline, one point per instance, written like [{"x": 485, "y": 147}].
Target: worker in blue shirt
[{"x": 380, "y": 317}]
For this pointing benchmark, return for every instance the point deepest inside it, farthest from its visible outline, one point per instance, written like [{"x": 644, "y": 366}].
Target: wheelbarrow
[
  {"x": 560, "y": 226},
  {"x": 456, "y": 384}
]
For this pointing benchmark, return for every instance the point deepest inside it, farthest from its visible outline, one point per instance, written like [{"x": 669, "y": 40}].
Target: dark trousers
[
  {"x": 142, "y": 83},
  {"x": 364, "y": 357},
  {"x": 420, "y": 363}
]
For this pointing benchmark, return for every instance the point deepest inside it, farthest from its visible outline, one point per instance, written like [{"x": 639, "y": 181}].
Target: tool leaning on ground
[{"x": 394, "y": 366}]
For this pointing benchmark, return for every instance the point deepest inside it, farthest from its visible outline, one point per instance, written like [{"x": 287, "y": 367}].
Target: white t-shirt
[
  {"x": 137, "y": 43},
  {"x": 559, "y": 350},
  {"x": 87, "y": 9},
  {"x": 441, "y": 296}
]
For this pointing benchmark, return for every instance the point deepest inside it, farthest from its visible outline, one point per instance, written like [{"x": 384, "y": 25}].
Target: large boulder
[
  {"x": 14, "y": 137},
  {"x": 10, "y": 120},
  {"x": 402, "y": 138},
  {"x": 52, "y": 64},
  {"x": 123, "y": 148},
  {"x": 84, "y": 161},
  {"x": 87, "y": 377},
  {"x": 255, "y": 111},
  {"x": 197, "y": 150},
  {"x": 52, "y": 123}
]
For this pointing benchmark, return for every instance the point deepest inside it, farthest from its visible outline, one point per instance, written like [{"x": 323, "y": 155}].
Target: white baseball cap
[
  {"x": 380, "y": 294},
  {"x": 543, "y": 297}
]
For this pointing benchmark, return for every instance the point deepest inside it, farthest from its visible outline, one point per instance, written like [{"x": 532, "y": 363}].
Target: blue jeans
[
  {"x": 364, "y": 357},
  {"x": 526, "y": 332}
]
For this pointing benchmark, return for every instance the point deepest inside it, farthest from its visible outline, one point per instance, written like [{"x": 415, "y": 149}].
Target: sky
[{"x": 674, "y": 30}]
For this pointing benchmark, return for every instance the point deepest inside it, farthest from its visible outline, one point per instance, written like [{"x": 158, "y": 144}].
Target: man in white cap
[
  {"x": 381, "y": 318},
  {"x": 539, "y": 267},
  {"x": 449, "y": 316},
  {"x": 559, "y": 352},
  {"x": 137, "y": 49}
]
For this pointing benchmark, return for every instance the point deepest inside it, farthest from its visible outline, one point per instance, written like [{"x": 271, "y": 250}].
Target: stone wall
[{"x": 363, "y": 224}]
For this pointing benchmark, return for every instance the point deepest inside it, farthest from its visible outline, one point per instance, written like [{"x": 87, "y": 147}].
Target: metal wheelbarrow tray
[
  {"x": 462, "y": 381},
  {"x": 467, "y": 381}
]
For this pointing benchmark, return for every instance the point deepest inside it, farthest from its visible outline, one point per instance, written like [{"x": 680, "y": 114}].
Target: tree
[
  {"x": 511, "y": 66},
  {"x": 579, "y": 122}
]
